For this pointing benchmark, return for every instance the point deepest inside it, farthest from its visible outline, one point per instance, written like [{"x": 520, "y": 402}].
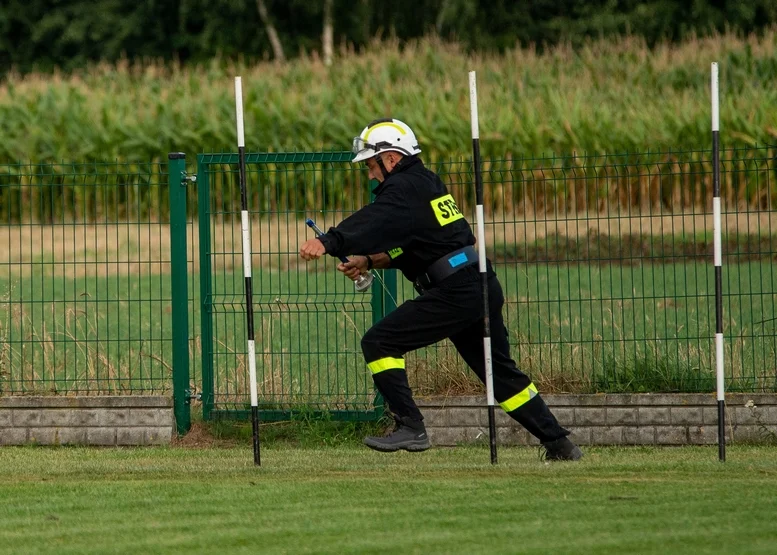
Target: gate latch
[
  {"x": 189, "y": 396},
  {"x": 185, "y": 177}
]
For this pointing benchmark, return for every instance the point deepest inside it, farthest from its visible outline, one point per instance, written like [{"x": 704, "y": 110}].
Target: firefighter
[{"x": 415, "y": 225}]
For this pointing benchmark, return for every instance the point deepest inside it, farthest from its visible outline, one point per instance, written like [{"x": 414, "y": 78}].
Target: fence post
[
  {"x": 206, "y": 287},
  {"x": 389, "y": 291},
  {"x": 176, "y": 166}
]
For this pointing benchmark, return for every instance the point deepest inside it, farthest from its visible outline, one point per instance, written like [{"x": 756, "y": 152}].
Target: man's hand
[
  {"x": 356, "y": 266},
  {"x": 312, "y": 249}
]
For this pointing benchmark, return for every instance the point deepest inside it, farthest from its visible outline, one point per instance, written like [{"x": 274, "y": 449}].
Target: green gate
[{"x": 308, "y": 318}]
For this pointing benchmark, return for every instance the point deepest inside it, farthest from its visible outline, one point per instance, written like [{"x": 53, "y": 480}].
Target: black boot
[
  {"x": 408, "y": 434},
  {"x": 561, "y": 450}
]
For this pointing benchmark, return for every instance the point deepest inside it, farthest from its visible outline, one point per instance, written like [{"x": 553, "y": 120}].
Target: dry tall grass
[{"x": 75, "y": 251}]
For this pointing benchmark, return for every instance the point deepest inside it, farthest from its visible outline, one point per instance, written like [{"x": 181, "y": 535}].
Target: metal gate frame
[{"x": 382, "y": 300}]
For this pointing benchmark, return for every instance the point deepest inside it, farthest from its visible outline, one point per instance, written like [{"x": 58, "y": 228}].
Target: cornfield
[{"x": 613, "y": 97}]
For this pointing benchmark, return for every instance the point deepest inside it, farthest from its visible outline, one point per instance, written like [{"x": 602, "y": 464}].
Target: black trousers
[{"x": 454, "y": 309}]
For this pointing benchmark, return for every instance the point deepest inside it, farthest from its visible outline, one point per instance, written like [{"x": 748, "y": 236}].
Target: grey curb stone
[
  {"x": 123, "y": 420},
  {"x": 629, "y": 419}
]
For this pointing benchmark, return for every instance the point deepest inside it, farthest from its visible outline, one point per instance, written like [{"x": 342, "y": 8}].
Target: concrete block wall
[
  {"x": 114, "y": 420},
  {"x": 612, "y": 419}
]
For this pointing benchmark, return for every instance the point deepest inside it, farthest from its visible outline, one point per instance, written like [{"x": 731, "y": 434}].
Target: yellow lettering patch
[
  {"x": 393, "y": 253},
  {"x": 446, "y": 210}
]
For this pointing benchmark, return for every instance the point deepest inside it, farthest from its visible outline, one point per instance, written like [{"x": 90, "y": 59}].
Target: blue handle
[{"x": 310, "y": 223}]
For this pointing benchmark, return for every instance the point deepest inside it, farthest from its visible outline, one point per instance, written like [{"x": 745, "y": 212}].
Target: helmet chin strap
[
  {"x": 381, "y": 166},
  {"x": 397, "y": 165}
]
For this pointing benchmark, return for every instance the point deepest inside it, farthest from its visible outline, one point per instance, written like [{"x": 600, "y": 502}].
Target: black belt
[{"x": 445, "y": 267}]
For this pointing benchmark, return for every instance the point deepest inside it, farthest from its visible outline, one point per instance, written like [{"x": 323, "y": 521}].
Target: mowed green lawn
[{"x": 348, "y": 499}]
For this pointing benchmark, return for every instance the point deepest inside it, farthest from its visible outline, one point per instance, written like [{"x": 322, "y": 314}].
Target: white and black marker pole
[
  {"x": 245, "y": 232},
  {"x": 718, "y": 260},
  {"x": 473, "y": 104}
]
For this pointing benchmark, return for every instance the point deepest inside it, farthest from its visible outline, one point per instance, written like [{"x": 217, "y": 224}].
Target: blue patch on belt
[{"x": 458, "y": 260}]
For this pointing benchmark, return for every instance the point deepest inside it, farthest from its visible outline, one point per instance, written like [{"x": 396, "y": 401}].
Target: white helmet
[{"x": 385, "y": 135}]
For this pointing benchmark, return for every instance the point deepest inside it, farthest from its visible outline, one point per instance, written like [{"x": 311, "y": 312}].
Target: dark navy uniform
[{"x": 418, "y": 223}]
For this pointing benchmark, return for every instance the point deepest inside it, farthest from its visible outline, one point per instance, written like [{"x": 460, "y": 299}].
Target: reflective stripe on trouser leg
[
  {"x": 387, "y": 363},
  {"x": 414, "y": 324},
  {"x": 521, "y": 398},
  {"x": 534, "y": 415},
  {"x": 512, "y": 388},
  {"x": 393, "y": 385},
  {"x": 390, "y": 379}
]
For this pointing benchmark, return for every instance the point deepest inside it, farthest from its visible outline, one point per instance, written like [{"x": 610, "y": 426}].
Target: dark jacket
[{"x": 413, "y": 218}]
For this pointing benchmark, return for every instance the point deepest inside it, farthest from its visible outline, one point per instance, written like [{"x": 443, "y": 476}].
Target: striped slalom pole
[
  {"x": 718, "y": 260},
  {"x": 473, "y": 104},
  {"x": 245, "y": 231}
]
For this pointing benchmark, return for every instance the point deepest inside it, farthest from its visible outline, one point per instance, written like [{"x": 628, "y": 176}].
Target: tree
[
  {"x": 43, "y": 34},
  {"x": 272, "y": 34},
  {"x": 327, "y": 36}
]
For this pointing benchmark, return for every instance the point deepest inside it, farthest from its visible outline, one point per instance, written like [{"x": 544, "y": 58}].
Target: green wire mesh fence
[
  {"x": 84, "y": 278},
  {"x": 605, "y": 261},
  {"x": 606, "y": 265},
  {"x": 308, "y": 319}
]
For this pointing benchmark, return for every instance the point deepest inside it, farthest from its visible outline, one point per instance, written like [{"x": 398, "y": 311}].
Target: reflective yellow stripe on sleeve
[
  {"x": 517, "y": 400},
  {"x": 387, "y": 363}
]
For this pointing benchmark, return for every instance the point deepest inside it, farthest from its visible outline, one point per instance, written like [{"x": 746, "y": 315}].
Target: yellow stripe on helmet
[{"x": 384, "y": 124}]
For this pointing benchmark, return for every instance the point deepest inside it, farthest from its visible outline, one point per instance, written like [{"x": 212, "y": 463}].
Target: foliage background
[
  {"x": 119, "y": 80},
  {"x": 605, "y": 96},
  {"x": 42, "y": 34}
]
